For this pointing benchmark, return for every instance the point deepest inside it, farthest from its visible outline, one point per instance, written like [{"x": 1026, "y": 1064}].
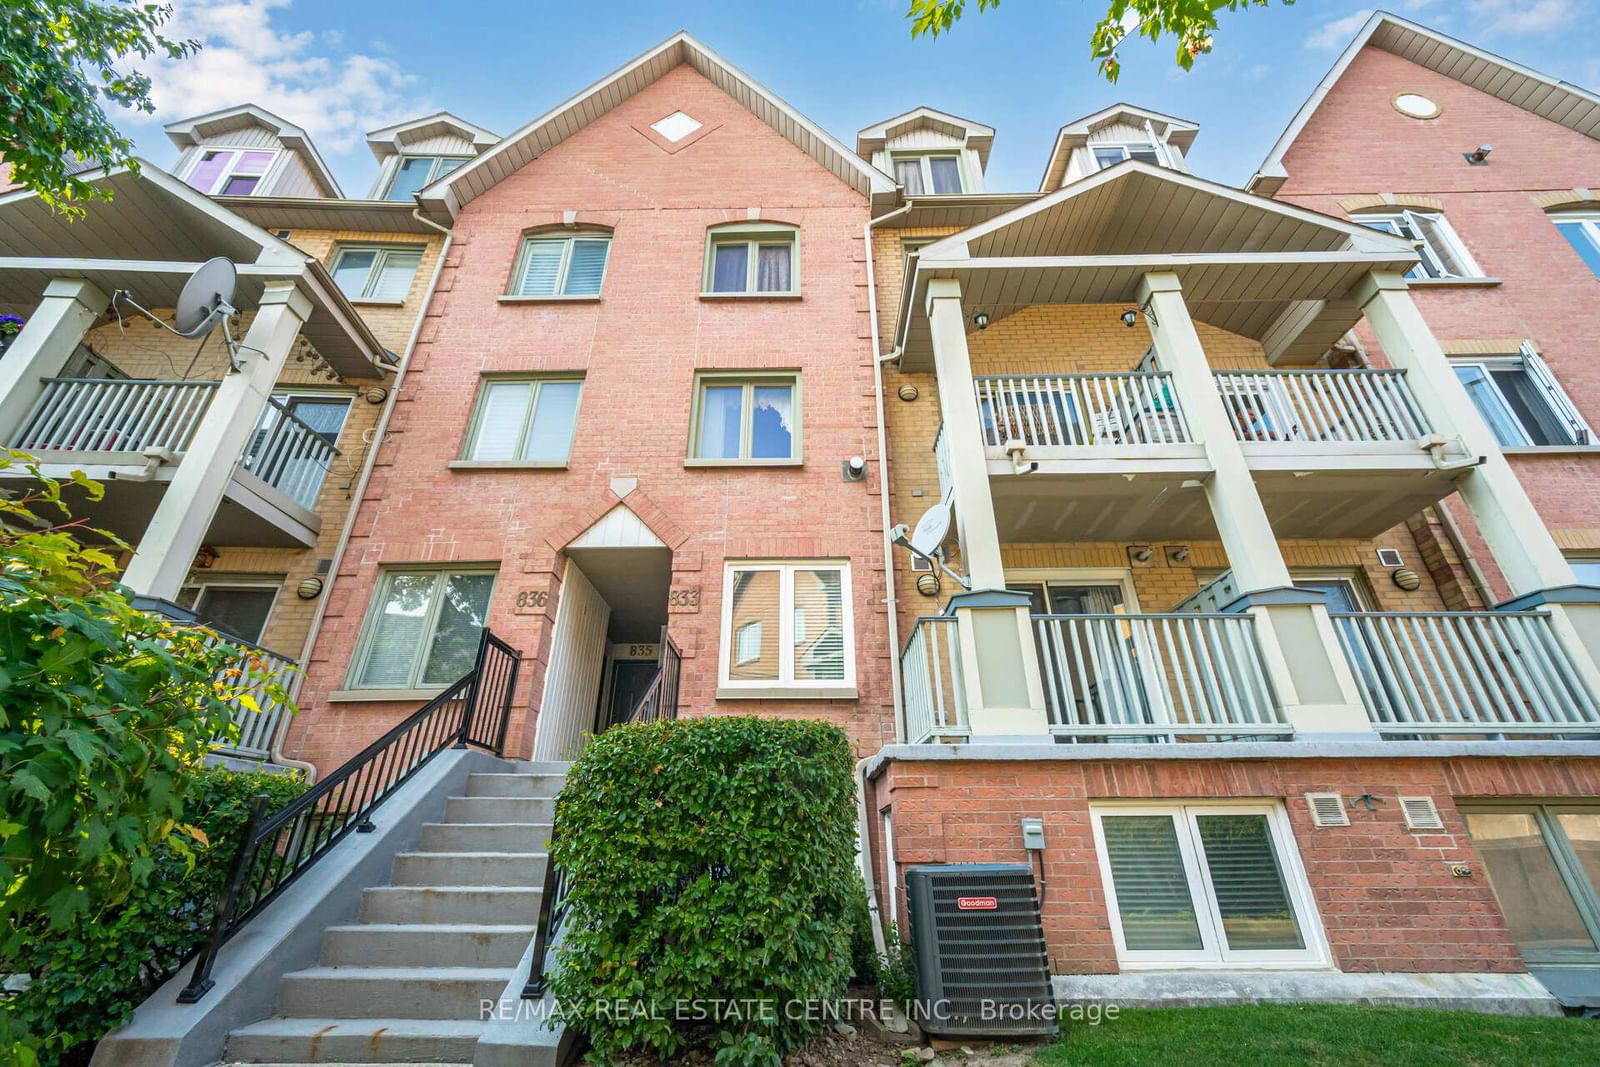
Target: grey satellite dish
[
  {"x": 931, "y": 530},
  {"x": 207, "y": 298}
]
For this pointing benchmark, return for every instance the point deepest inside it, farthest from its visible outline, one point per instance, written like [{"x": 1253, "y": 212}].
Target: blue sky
[{"x": 341, "y": 68}]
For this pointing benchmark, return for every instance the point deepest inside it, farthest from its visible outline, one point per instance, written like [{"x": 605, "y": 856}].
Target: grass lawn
[{"x": 1336, "y": 1035}]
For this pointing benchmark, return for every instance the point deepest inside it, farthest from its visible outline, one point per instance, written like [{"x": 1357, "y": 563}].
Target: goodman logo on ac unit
[{"x": 977, "y": 903}]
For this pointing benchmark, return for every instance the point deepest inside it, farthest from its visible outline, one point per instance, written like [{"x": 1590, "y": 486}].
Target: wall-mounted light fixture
[
  {"x": 981, "y": 320},
  {"x": 908, "y": 392},
  {"x": 1130, "y": 317}
]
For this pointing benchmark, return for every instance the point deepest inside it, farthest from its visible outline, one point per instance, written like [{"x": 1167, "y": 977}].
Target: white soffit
[
  {"x": 1550, "y": 98},
  {"x": 618, "y": 528}
]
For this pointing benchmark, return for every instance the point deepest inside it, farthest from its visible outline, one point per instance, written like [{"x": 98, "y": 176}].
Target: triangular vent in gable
[
  {"x": 1327, "y": 809},
  {"x": 1421, "y": 813}
]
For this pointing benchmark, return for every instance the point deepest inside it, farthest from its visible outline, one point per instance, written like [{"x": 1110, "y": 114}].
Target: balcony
[
  {"x": 934, "y": 690},
  {"x": 258, "y": 726},
  {"x": 130, "y": 434}
]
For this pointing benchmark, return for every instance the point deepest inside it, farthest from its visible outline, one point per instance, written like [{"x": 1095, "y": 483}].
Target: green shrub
[
  {"x": 88, "y": 976},
  {"x": 897, "y": 971},
  {"x": 712, "y": 867}
]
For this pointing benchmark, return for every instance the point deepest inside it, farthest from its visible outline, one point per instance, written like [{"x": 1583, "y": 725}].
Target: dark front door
[{"x": 629, "y": 680}]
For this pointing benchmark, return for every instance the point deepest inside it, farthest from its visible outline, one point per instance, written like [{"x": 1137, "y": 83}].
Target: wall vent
[
  {"x": 1390, "y": 557},
  {"x": 1327, "y": 809},
  {"x": 1421, "y": 813}
]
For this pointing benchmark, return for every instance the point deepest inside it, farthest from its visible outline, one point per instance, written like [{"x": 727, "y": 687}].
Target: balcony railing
[
  {"x": 1351, "y": 406},
  {"x": 941, "y": 461},
  {"x": 1134, "y": 408},
  {"x": 1460, "y": 672},
  {"x": 930, "y": 674},
  {"x": 1155, "y": 677},
  {"x": 258, "y": 728},
  {"x": 289, "y": 455},
  {"x": 113, "y": 415}
]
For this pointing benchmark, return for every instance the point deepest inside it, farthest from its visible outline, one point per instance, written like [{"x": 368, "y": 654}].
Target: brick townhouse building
[{"x": 1257, "y": 548}]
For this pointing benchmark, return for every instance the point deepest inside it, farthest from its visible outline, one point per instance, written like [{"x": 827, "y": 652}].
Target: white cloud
[
  {"x": 1337, "y": 34},
  {"x": 303, "y": 77},
  {"x": 1519, "y": 16}
]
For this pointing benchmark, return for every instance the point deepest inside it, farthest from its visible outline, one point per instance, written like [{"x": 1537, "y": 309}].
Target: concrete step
[
  {"x": 485, "y": 837},
  {"x": 425, "y": 945},
  {"x": 333, "y": 1041},
  {"x": 469, "y": 868},
  {"x": 528, "y": 766},
  {"x": 392, "y": 992},
  {"x": 452, "y": 904},
  {"x": 514, "y": 785},
  {"x": 499, "y": 809}
]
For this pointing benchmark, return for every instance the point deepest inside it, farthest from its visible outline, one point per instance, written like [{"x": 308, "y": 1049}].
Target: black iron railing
[
  {"x": 660, "y": 700},
  {"x": 274, "y": 852}
]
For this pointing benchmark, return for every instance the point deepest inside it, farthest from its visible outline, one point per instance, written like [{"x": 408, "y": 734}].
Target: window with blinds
[
  {"x": 526, "y": 420},
  {"x": 556, "y": 266},
  {"x": 375, "y": 273},
  {"x": 1188, "y": 884},
  {"x": 787, "y": 624},
  {"x": 423, "y": 629}
]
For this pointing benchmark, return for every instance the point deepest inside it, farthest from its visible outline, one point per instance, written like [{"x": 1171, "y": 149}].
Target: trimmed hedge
[
  {"x": 88, "y": 977},
  {"x": 714, "y": 886}
]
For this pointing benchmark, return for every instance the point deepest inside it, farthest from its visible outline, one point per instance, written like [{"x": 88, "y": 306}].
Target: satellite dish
[
  {"x": 207, "y": 298},
  {"x": 931, "y": 530}
]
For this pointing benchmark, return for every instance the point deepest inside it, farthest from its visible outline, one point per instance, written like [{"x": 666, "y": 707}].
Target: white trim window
[
  {"x": 787, "y": 625},
  {"x": 1583, "y": 234},
  {"x": 423, "y": 628},
  {"x": 525, "y": 420},
  {"x": 239, "y": 607},
  {"x": 556, "y": 266},
  {"x": 415, "y": 173},
  {"x": 752, "y": 259},
  {"x": 230, "y": 171},
  {"x": 1205, "y": 885},
  {"x": 1443, "y": 254},
  {"x": 1521, "y": 400},
  {"x": 938, "y": 173},
  {"x": 375, "y": 273},
  {"x": 1109, "y": 155}
]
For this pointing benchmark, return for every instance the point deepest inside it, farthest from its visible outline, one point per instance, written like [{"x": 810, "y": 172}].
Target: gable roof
[
  {"x": 391, "y": 139},
  {"x": 1075, "y": 134},
  {"x": 1550, "y": 98},
  {"x": 188, "y": 132},
  {"x": 453, "y": 192},
  {"x": 974, "y": 135}
]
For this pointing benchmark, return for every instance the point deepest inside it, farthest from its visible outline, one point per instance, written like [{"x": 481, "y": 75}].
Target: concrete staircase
[{"x": 406, "y": 983}]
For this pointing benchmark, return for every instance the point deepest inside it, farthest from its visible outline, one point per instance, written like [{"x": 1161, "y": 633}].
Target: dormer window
[
  {"x": 230, "y": 171},
  {"x": 416, "y": 173},
  {"x": 936, "y": 173},
  {"x": 1109, "y": 155}
]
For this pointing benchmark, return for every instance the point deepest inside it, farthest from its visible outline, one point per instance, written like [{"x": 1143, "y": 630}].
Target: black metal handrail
[
  {"x": 274, "y": 852},
  {"x": 660, "y": 699}
]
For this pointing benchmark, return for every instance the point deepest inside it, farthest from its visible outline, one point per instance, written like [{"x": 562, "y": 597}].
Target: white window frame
[
  {"x": 1126, "y": 148},
  {"x": 430, "y": 625},
  {"x": 1561, "y": 406},
  {"x": 753, "y": 235},
  {"x": 924, "y": 163},
  {"x": 1214, "y": 954},
  {"x": 376, "y": 270},
  {"x": 1432, "y": 267},
  {"x": 227, "y": 173},
  {"x": 1590, "y": 225},
  {"x": 740, "y": 656},
  {"x": 433, "y": 170},
  {"x": 538, "y": 381},
  {"x": 785, "y": 684},
  {"x": 566, "y": 240}
]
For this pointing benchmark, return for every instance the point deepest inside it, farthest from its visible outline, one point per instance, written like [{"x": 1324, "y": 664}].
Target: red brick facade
[{"x": 638, "y": 348}]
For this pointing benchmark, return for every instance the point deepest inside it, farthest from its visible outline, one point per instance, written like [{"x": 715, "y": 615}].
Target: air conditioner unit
[{"x": 981, "y": 964}]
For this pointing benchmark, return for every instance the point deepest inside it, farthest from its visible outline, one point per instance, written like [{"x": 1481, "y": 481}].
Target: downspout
[
  {"x": 890, "y": 601},
  {"x": 276, "y": 755}
]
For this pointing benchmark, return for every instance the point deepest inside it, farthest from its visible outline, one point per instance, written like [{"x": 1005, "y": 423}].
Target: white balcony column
[
  {"x": 1000, "y": 664},
  {"x": 1300, "y": 650},
  {"x": 167, "y": 550},
  {"x": 47, "y": 340},
  {"x": 1520, "y": 542}
]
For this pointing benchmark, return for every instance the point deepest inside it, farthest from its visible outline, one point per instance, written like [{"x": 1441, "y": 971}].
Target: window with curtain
[
  {"x": 746, "y": 419},
  {"x": 423, "y": 629},
  {"x": 752, "y": 259},
  {"x": 1522, "y": 402},
  {"x": 557, "y": 265},
  {"x": 365, "y": 272},
  {"x": 936, "y": 173},
  {"x": 787, "y": 624},
  {"x": 230, "y": 171},
  {"x": 1583, "y": 234},
  {"x": 530, "y": 420},
  {"x": 1194, "y": 883},
  {"x": 415, "y": 173},
  {"x": 1443, "y": 254}
]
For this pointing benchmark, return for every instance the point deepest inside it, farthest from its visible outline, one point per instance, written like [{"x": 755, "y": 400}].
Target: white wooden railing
[
  {"x": 113, "y": 415},
  {"x": 934, "y": 691},
  {"x": 941, "y": 461},
  {"x": 1133, "y": 408},
  {"x": 257, "y": 728},
  {"x": 289, "y": 455},
  {"x": 1362, "y": 406},
  {"x": 1473, "y": 672},
  {"x": 1155, "y": 676}
]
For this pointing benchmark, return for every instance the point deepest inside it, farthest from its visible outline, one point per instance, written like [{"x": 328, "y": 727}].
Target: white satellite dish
[
  {"x": 207, "y": 298},
  {"x": 931, "y": 530}
]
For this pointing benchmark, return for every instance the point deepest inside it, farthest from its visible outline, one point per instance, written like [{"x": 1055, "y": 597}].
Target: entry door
[
  {"x": 577, "y": 658},
  {"x": 629, "y": 680}
]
